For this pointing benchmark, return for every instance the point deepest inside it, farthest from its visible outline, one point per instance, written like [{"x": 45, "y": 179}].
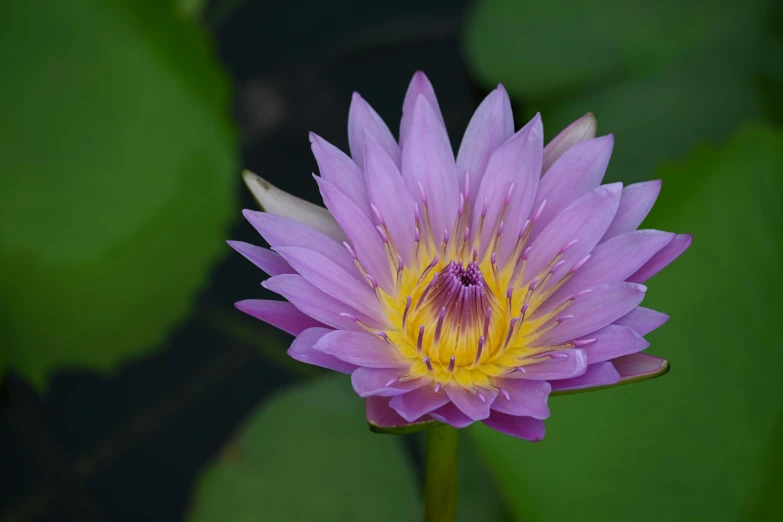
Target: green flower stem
[{"x": 440, "y": 479}]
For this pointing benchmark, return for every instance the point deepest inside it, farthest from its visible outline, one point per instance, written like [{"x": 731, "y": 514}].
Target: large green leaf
[
  {"x": 307, "y": 455},
  {"x": 117, "y": 155},
  {"x": 692, "y": 446}
]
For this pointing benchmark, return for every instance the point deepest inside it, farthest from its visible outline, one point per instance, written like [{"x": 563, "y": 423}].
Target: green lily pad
[
  {"x": 692, "y": 446},
  {"x": 118, "y": 183},
  {"x": 307, "y": 455}
]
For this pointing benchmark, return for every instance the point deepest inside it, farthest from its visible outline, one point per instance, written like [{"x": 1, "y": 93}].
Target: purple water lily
[{"x": 463, "y": 290}]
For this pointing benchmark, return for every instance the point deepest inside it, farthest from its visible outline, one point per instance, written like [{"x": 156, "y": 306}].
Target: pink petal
[
  {"x": 491, "y": 125},
  {"x": 363, "y": 119},
  {"x": 451, "y": 415},
  {"x": 585, "y": 222},
  {"x": 419, "y": 402},
  {"x": 663, "y": 258},
  {"x": 474, "y": 405},
  {"x": 639, "y": 366},
  {"x": 268, "y": 261},
  {"x": 578, "y": 171},
  {"x": 611, "y": 342},
  {"x": 391, "y": 198},
  {"x": 420, "y": 86},
  {"x": 526, "y": 398},
  {"x": 582, "y": 129},
  {"x": 341, "y": 171},
  {"x": 517, "y": 162},
  {"x": 526, "y": 428},
  {"x": 642, "y": 320},
  {"x": 383, "y": 382},
  {"x": 361, "y": 349},
  {"x": 599, "y": 374},
  {"x": 361, "y": 232},
  {"x": 302, "y": 350},
  {"x": 636, "y": 202},
  {"x": 279, "y": 314},
  {"x": 319, "y": 305},
  {"x": 573, "y": 364},
  {"x": 428, "y": 160}
]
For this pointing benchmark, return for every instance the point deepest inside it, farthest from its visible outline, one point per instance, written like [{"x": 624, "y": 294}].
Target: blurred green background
[{"x": 131, "y": 388}]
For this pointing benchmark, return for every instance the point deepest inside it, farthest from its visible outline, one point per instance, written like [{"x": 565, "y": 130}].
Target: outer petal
[
  {"x": 573, "y": 364},
  {"x": 611, "y": 342},
  {"x": 526, "y": 398},
  {"x": 319, "y": 305},
  {"x": 578, "y": 171},
  {"x": 268, "y": 261},
  {"x": 383, "y": 419},
  {"x": 474, "y": 405},
  {"x": 427, "y": 160},
  {"x": 340, "y": 170},
  {"x": 663, "y": 258},
  {"x": 491, "y": 125},
  {"x": 302, "y": 350},
  {"x": 584, "y": 221},
  {"x": 582, "y": 129},
  {"x": 636, "y": 202},
  {"x": 642, "y": 320},
  {"x": 363, "y": 119},
  {"x": 640, "y": 367},
  {"x": 526, "y": 428},
  {"x": 279, "y": 314},
  {"x": 361, "y": 349},
  {"x": 600, "y": 374},
  {"x": 420, "y": 86},
  {"x": 508, "y": 188},
  {"x": 419, "y": 402},
  {"x": 383, "y": 382},
  {"x": 363, "y": 235},
  {"x": 281, "y": 203},
  {"x": 451, "y": 415},
  {"x": 283, "y": 232},
  {"x": 591, "y": 311},
  {"x": 389, "y": 195}
]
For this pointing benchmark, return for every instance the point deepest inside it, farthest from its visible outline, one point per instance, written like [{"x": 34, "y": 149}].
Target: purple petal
[
  {"x": 279, "y": 314},
  {"x": 526, "y": 428},
  {"x": 320, "y": 306},
  {"x": 600, "y": 307},
  {"x": 428, "y": 160},
  {"x": 600, "y": 374},
  {"x": 584, "y": 221},
  {"x": 642, "y": 320},
  {"x": 517, "y": 162},
  {"x": 302, "y": 350},
  {"x": 639, "y": 366},
  {"x": 383, "y": 382},
  {"x": 361, "y": 232},
  {"x": 419, "y": 86},
  {"x": 663, "y": 258},
  {"x": 363, "y": 119},
  {"x": 636, "y": 202},
  {"x": 582, "y": 129},
  {"x": 340, "y": 170},
  {"x": 577, "y": 172},
  {"x": 611, "y": 342},
  {"x": 573, "y": 365},
  {"x": 361, "y": 349},
  {"x": 419, "y": 402},
  {"x": 474, "y": 405},
  {"x": 451, "y": 415},
  {"x": 526, "y": 398},
  {"x": 283, "y": 232},
  {"x": 379, "y": 413},
  {"x": 611, "y": 262},
  {"x": 268, "y": 261},
  {"x": 391, "y": 198},
  {"x": 332, "y": 279},
  {"x": 491, "y": 125}
]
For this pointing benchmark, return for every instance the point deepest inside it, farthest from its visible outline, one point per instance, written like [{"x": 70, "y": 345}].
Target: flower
[{"x": 465, "y": 290}]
